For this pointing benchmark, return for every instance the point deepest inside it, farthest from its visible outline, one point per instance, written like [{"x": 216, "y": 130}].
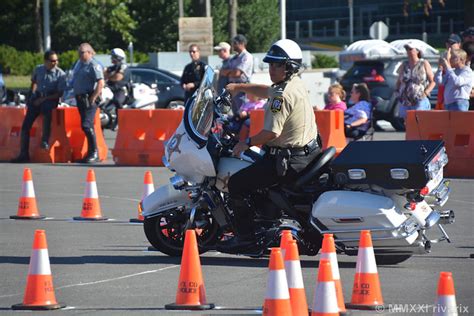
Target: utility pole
[
  {"x": 351, "y": 22},
  {"x": 181, "y": 8},
  {"x": 283, "y": 18},
  {"x": 46, "y": 31},
  {"x": 233, "y": 7},
  {"x": 208, "y": 8}
]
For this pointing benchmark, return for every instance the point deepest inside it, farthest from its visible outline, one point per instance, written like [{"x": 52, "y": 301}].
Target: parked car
[
  {"x": 170, "y": 92},
  {"x": 381, "y": 77}
]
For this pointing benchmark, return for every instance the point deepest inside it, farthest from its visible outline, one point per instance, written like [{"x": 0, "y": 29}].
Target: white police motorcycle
[{"x": 392, "y": 188}]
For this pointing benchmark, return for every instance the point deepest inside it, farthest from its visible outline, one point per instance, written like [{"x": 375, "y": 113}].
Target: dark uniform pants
[
  {"x": 259, "y": 175},
  {"x": 87, "y": 112},
  {"x": 45, "y": 108}
]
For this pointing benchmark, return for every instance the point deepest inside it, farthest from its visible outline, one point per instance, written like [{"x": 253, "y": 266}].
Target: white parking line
[{"x": 103, "y": 281}]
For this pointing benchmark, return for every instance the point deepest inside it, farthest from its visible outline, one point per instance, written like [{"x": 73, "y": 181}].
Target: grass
[{"x": 17, "y": 82}]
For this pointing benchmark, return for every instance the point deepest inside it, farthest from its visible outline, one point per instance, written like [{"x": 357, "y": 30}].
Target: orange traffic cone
[
  {"x": 285, "y": 237},
  {"x": 148, "y": 188},
  {"x": 299, "y": 305},
  {"x": 191, "y": 293},
  {"x": 91, "y": 205},
  {"x": 366, "y": 293},
  {"x": 325, "y": 298},
  {"x": 328, "y": 251},
  {"x": 446, "y": 300},
  {"x": 277, "y": 297},
  {"x": 39, "y": 292},
  {"x": 27, "y": 208}
]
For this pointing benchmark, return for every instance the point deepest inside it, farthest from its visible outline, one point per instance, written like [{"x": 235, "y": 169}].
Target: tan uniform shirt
[{"x": 289, "y": 114}]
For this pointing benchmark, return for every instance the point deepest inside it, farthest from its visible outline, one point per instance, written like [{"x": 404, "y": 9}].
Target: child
[
  {"x": 336, "y": 94},
  {"x": 457, "y": 80},
  {"x": 241, "y": 120}
]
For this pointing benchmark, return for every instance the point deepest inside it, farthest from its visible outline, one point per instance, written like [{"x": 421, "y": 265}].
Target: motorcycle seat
[{"x": 315, "y": 168}]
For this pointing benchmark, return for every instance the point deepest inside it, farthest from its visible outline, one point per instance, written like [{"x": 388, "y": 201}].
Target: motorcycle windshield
[{"x": 200, "y": 111}]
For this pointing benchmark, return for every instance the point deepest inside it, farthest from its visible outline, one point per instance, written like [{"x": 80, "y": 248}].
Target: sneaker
[{"x": 44, "y": 145}]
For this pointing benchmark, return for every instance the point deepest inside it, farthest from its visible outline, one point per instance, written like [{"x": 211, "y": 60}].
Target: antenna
[{"x": 422, "y": 147}]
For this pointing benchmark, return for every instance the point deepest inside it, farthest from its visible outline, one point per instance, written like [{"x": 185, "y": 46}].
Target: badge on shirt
[{"x": 276, "y": 104}]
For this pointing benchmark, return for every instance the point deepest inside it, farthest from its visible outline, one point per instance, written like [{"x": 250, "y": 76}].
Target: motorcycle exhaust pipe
[{"x": 447, "y": 217}]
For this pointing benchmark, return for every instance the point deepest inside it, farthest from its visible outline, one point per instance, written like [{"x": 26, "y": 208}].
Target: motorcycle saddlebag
[{"x": 388, "y": 164}]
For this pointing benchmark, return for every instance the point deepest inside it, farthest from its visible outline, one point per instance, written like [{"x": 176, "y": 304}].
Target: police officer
[
  {"x": 88, "y": 81},
  {"x": 115, "y": 76},
  {"x": 193, "y": 72},
  {"x": 288, "y": 137},
  {"x": 47, "y": 86}
]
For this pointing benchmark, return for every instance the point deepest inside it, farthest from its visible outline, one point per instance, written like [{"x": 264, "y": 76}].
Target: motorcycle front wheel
[{"x": 166, "y": 233}]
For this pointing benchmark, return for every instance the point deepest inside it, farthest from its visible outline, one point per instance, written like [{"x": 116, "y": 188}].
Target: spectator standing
[
  {"x": 88, "y": 81},
  {"x": 47, "y": 86},
  {"x": 240, "y": 68},
  {"x": 356, "y": 118},
  {"x": 336, "y": 94},
  {"x": 223, "y": 50},
  {"x": 468, "y": 46},
  {"x": 193, "y": 72},
  {"x": 242, "y": 118},
  {"x": 457, "y": 79},
  {"x": 453, "y": 42},
  {"x": 468, "y": 35},
  {"x": 415, "y": 81}
]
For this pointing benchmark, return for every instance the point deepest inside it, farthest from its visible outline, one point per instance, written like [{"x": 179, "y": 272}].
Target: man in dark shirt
[{"x": 193, "y": 72}]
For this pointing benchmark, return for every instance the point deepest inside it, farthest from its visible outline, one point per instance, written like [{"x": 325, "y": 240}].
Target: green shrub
[{"x": 324, "y": 61}]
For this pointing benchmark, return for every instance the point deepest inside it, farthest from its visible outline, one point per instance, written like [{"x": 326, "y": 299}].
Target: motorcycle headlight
[{"x": 177, "y": 182}]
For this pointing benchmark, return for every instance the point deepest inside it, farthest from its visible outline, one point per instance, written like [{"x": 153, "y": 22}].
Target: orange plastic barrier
[
  {"x": 67, "y": 140},
  {"x": 330, "y": 126},
  {"x": 141, "y": 136},
  {"x": 454, "y": 128}
]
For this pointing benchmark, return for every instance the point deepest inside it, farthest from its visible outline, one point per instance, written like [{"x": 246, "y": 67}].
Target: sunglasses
[
  {"x": 53, "y": 60},
  {"x": 193, "y": 51},
  {"x": 81, "y": 52}
]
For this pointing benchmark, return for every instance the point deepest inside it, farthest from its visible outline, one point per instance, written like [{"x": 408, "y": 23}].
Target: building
[{"x": 322, "y": 21}]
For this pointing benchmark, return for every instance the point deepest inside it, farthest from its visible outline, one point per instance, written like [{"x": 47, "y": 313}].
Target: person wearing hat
[
  {"x": 289, "y": 138},
  {"x": 452, "y": 42},
  {"x": 223, "y": 50},
  {"x": 240, "y": 68},
  {"x": 415, "y": 81}
]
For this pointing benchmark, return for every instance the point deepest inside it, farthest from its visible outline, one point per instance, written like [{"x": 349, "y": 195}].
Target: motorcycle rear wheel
[
  {"x": 390, "y": 259},
  {"x": 166, "y": 234}
]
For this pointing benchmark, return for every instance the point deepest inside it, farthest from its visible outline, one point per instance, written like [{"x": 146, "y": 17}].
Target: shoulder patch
[
  {"x": 276, "y": 104},
  {"x": 98, "y": 67}
]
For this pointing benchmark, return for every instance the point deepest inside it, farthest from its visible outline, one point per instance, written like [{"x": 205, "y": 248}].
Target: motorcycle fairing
[
  {"x": 188, "y": 160},
  {"x": 164, "y": 198}
]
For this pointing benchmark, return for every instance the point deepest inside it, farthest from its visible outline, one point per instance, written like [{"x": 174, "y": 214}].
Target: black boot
[
  {"x": 24, "y": 156},
  {"x": 92, "y": 153},
  {"x": 244, "y": 240}
]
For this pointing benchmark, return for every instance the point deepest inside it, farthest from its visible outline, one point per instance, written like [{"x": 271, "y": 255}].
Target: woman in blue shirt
[{"x": 356, "y": 118}]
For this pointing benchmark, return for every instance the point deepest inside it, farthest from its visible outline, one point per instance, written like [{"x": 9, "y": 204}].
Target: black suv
[
  {"x": 381, "y": 78},
  {"x": 170, "y": 92}
]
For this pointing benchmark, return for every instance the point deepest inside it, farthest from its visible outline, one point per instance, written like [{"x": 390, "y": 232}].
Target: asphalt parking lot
[{"x": 102, "y": 268}]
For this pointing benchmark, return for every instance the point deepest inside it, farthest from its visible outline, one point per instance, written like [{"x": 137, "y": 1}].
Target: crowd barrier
[
  {"x": 142, "y": 134},
  {"x": 330, "y": 126},
  {"x": 454, "y": 128},
  {"x": 67, "y": 141}
]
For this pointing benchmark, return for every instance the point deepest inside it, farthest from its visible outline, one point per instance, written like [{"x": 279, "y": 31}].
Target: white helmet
[
  {"x": 118, "y": 53},
  {"x": 284, "y": 51}
]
